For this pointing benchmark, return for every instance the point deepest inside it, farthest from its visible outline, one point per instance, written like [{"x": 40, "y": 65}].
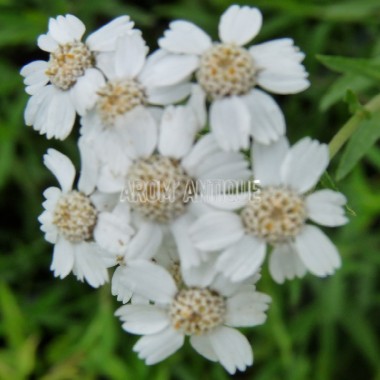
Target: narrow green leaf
[
  {"x": 339, "y": 88},
  {"x": 354, "y": 104},
  {"x": 369, "y": 68},
  {"x": 359, "y": 144}
]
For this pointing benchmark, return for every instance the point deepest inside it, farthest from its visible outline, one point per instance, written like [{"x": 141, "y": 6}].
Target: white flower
[
  {"x": 70, "y": 221},
  {"x": 206, "y": 309},
  {"x": 126, "y": 98},
  {"x": 228, "y": 73},
  {"x": 72, "y": 71},
  {"x": 276, "y": 215},
  {"x": 158, "y": 180}
]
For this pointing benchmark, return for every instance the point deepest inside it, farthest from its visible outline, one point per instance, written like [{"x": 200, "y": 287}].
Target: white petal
[
  {"x": 169, "y": 94},
  {"x": 130, "y": 55},
  {"x": 202, "y": 344},
  {"x": 279, "y": 66},
  {"x": 63, "y": 258},
  {"x": 197, "y": 102},
  {"x": 104, "y": 39},
  {"x": 267, "y": 119},
  {"x": 141, "y": 132},
  {"x": 189, "y": 255},
  {"x": 157, "y": 347},
  {"x": 316, "y": 251},
  {"x": 239, "y": 25},
  {"x": 231, "y": 348},
  {"x": 47, "y": 43},
  {"x": 326, "y": 207},
  {"x": 202, "y": 275},
  {"x": 185, "y": 37},
  {"x": 143, "y": 319},
  {"x": 113, "y": 231},
  {"x": 242, "y": 259},
  {"x": 267, "y": 161},
  {"x": 150, "y": 281},
  {"x": 230, "y": 123},
  {"x": 84, "y": 93},
  {"x": 120, "y": 287},
  {"x": 177, "y": 131},
  {"x": 76, "y": 26},
  {"x": 89, "y": 167},
  {"x": 105, "y": 202},
  {"x": 145, "y": 243},
  {"x": 304, "y": 164},
  {"x": 227, "y": 202},
  {"x": 35, "y": 77},
  {"x": 247, "y": 308},
  {"x": 216, "y": 230},
  {"x": 284, "y": 263},
  {"x": 54, "y": 114},
  {"x": 89, "y": 265},
  {"x": 34, "y": 103},
  {"x": 60, "y": 30},
  {"x": 164, "y": 69},
  {"x": 52, "y": 194},
  {"x": 61, "y": 167}
]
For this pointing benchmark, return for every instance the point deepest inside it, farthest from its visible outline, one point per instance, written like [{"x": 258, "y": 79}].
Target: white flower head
[
  {"x": 68, "y": 82},
  {"x": 70, "y": 221},
  {"x": 228, "y": 73},
  {"x": 206, "y": 308},
  {"x": 159, "y": 176},
  {"x": 277, "y": 216}
]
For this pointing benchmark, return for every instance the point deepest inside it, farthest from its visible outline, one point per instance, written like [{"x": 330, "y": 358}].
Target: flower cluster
[{"x": 166, "y": 192}]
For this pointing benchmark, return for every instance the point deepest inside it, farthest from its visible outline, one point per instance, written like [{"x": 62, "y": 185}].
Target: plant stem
[{"x": 352, "y": 125}]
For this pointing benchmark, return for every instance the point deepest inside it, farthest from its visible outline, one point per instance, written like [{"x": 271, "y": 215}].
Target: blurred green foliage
[{"x": 317, "y": 329}]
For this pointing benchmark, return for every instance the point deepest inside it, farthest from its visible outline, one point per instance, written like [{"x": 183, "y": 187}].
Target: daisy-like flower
[
  {"x": 205, "y": 308},
  {"x": 70, "y": 221},
  {"x": 160, "y": 180},
  {"x": 276, "y": 216},
  {"x": 228, "y": 73},
  {"x": 68, "y": 81},
  {"x": 125, "y": 98}
]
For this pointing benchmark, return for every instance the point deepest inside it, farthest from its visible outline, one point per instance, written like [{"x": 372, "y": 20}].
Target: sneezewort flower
[
  {"x": 67, "y": 83},
  {"x": 276, "y": 216},
  {"x": 206, "y": 308},
  {"x": 229, "y": 73}
]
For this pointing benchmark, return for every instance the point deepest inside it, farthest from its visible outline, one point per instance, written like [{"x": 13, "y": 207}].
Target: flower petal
[
  {"x": 131, "y": 51},
  {"x": 285, "y": 264},
  {"x": 84, "y": 93},
  {"x": 247, "y": 308},
  {"x": 143, "y": 319},
  {"x": 326, "y": 207},
  {"x": 104, "y": 39},
  {"x": 216, "y": 230},
  {"x": 239, "y": 25},
  {"x": 61, "y": 167},
  {"x": 267, "y": 161},
  {"x": 202, "y": 344},
  {"x": 231, "y": 348},
  {"x": 150, "y": 281},
  {"x": 279, "y": 66},
  {"x": 185, "y": 37},
  {"x": 63, "y": 258},
  {"x": 242, "y": 259},
  {"x": 304, "y": 164},
  {"x": 230, "y": 123},
  {"x": 177, "y": 131},
  {"x": 157, "y": 347},
  {"x": 316, "y": 251},
  {"x": 169, "y": 94},
  {"x": 267, "y": 119},
  {"x": 166, "y": 69}
]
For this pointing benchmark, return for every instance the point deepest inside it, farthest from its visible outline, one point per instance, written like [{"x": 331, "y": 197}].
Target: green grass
[{"x": 317, "y": 329}]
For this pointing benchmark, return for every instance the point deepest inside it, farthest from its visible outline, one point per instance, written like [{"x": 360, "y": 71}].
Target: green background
[{"x": 317, "y": 328}]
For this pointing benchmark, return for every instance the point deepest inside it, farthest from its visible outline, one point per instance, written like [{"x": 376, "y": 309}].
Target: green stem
[{"x": 352, "y": 125}]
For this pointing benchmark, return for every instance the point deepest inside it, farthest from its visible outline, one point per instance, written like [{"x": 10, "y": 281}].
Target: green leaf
[
  {"x": 339, "y": 88},
  {"x": 359, "y": 144},
  {"x": 354, "y": 104},
  {"x": 369, "y": 68}
]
